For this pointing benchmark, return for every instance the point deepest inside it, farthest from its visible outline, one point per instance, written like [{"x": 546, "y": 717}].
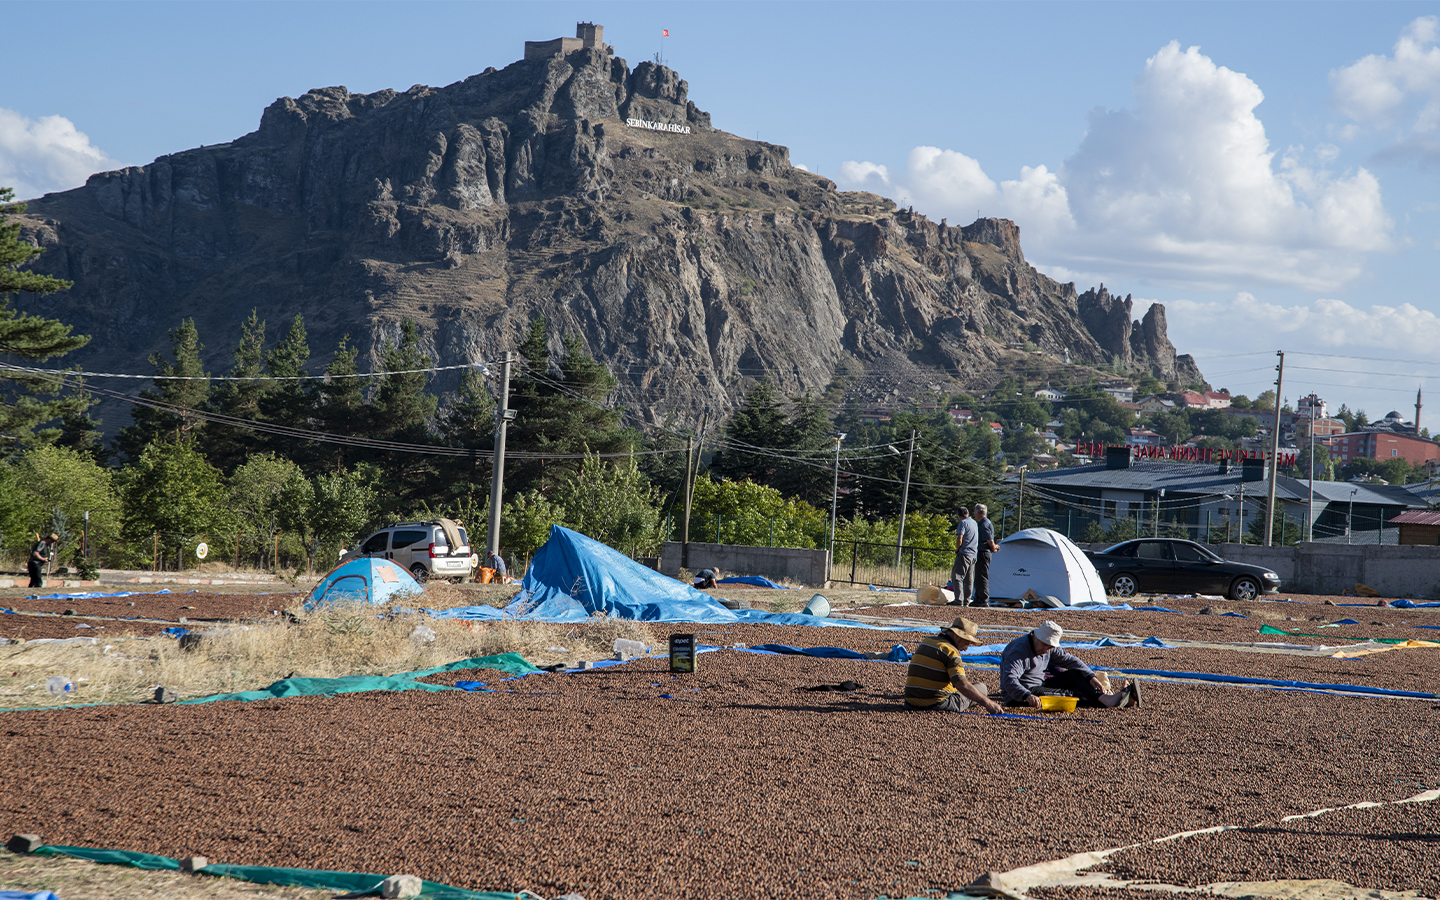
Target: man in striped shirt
[{"x": 936, "y": 678}]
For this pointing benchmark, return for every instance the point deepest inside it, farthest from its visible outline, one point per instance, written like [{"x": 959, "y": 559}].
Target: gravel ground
[{"x": 742, "y": 783}]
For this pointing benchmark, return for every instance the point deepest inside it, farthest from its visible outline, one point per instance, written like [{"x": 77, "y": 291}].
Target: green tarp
[
  {"x": 512, "y": 663},
  {"x": 319, "y": 879}
]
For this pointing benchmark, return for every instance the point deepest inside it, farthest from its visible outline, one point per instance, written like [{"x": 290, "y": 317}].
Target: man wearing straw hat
[
  {"x": 936, "y": 678},
  {"x": 1033, "y": 665}
]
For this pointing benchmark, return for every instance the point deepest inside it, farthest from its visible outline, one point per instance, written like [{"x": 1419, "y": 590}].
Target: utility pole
[
  {"x": 692, "y": 471},
  {"x": 1020, "y": 506},
  {"x": 835, "y": 492},
  {"x": 904, "y": 496},
  {"x": 1275, "y": 455},
  {"x": 503, "y": 415},
  {"x": 1310, "y": 504}
]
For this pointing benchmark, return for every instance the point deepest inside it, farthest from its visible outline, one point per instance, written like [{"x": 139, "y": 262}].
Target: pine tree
[
  {"x": 339, "y": 407},
  {"x": 27, "y": 402},
  {"x": 760, "y": 422},
  {"x": 185, "y": 387},
  {"x": 228, "y": 446}
]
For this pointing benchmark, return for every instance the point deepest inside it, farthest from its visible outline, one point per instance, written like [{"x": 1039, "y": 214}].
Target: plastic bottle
[
  {"x": 59, "y": 684},
  {"x": 628, "y": 647}
]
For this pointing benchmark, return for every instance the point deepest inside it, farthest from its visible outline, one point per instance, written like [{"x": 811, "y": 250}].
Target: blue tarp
[
  {"x": 91, "y": 595},
  {"x": 757, "y": 580},
  {"x": 573, "y": 577},
  {"x": 1404, "y": 604},
  {"x": 897, "y": 653},
  {"x": 364, "y": 580}
]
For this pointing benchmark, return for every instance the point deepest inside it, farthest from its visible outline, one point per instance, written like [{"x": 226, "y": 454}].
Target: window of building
[{"x": 1110, "y": 509}]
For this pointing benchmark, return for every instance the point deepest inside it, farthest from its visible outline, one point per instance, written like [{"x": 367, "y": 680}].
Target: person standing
[
  {"x": 40, "y": 555},
  {"x": 967, "y": 545},
  {"x": 982, "y": 560}
]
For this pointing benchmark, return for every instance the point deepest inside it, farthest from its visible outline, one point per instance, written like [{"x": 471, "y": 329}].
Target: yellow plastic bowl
[{"x": 1058, "y": 704}]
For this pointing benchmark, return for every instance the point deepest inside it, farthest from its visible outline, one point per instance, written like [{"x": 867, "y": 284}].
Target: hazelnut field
[{"x": 742, "y": 780}]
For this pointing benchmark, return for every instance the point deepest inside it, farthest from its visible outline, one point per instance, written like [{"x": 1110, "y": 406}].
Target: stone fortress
[{"x": 587, "y": 34}]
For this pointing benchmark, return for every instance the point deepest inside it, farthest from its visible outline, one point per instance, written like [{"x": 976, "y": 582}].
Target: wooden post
[
  {"x": 155, "y": 556},
  {"x": 275, "y": 560}
]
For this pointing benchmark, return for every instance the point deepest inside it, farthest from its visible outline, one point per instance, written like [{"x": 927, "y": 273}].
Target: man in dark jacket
[
  {"x": 40, "y": 555},
  {"x": 982, "y": 561}
]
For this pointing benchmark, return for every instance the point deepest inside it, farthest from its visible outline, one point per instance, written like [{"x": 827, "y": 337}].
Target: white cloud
[
  {"x": 1381, "y": 90},
  {"x": 1183, "y": 188},
  {"x": 47, "y": 154}
]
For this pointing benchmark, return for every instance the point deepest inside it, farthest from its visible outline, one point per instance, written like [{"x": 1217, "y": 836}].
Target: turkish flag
[{"x": 665, "y": 33}]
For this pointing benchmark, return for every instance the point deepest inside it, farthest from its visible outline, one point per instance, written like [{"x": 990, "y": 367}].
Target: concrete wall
[
  {"x": 775, "y": 563},
  {"x": 1395, "y": 571}
]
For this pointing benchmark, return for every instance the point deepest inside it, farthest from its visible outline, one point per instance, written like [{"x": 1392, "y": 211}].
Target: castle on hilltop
[{"x": 587, "y": 34}]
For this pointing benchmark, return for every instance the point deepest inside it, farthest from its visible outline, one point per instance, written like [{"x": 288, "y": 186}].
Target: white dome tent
[{"x": 1046, "y": 562}]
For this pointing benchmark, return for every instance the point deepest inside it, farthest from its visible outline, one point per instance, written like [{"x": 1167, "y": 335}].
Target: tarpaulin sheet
[
  {"x": 756, "y": 580},
  {"x": 1277, "y": 683},
  {"x": 28, "y": 895},
  {"x": 1407, "y": 604},
  {"x": 1270, "y": 629},
  {"x": 318, "y": 879},
  {"x": 404, "y": 681},
  {"x": 573, "y": 577},
  {"x": 1355, "y": 652},
  {"x": 897, "y": 653},
  {"x": 91, "y": 595}
]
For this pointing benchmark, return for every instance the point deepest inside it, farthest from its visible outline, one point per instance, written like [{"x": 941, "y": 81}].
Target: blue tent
[{"x": 364, "y": 580}]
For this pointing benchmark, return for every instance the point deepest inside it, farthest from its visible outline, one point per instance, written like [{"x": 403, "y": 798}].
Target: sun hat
[
  {"x": 1050, "y": 633},
  {"x": 54, "y": 536},
  {"x": 965, "y": 630}
]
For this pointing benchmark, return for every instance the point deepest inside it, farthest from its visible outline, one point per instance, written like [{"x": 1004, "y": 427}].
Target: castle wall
[{"x": 547, "y": 49}]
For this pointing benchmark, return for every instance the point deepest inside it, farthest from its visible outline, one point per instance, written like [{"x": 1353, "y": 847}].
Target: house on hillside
[
  {"x": 1155, "y": 404},
  {"x": 1122, "y": 391},
  {"x": 1049, "y": 394}
]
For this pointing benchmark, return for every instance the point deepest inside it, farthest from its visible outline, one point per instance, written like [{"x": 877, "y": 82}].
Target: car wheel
[
  {"x": 421, "y": 573},
  {"x": 1123, "y": 585},
  {"x": 1244, "y": 589}
]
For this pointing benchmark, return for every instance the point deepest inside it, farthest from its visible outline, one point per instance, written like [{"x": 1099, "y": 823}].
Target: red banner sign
[{"x": 1188, "y": 454}]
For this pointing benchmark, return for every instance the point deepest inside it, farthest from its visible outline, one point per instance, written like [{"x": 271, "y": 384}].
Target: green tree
[
  {"x": 28, "y": 401},
  {"x": 286, "y": 400},
  {"x": 325, "y": 512},
  {"x": 172, "y": 489},
  {"x": 564, "y": 413},
  {"x": 401, "y": 410},
  {"x": 228, "y": 445},
  {"x": 183, "y": 388},
  {"x": 525, "y": 522},
  {"x": 50, "y": 478},
  {"x": 255, "y": 492},
  {"x": 469, "y": 423},
  {"x": 613, "y": 504},
  {"x": 339, "y": 408},
  {"x": 754, "y": 515}
]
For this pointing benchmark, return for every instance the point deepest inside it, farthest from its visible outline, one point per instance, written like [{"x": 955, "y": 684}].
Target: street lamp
[{"x": 1350, "y": 517}]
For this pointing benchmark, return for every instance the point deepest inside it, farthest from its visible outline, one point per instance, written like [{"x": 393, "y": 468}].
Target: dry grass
[
  {"x": 75, "y": 879},
  {"x": 333, "y": 642}
]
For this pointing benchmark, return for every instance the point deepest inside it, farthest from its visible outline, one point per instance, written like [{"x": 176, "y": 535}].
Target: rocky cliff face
[{"x": 691, "y": 263}]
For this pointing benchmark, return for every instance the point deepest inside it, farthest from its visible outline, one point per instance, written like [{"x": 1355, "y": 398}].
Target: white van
[{"x": 438, "y": 548}]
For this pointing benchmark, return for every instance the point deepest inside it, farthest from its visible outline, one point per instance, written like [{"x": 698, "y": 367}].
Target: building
[
  {"x": 1122, "y": 391},
  {"x": 1049, "y": 394},
  {"x": 1212, "y": 500},
  {"x": 587, "y": 35},
  {"x": 1311, "y": 405},
  {"x": 1419, "y": 527},
  {"x": 1205, "y": 400},
  {"x": 1154, "y": 404},
  {"x": 1383, "y": 443}
]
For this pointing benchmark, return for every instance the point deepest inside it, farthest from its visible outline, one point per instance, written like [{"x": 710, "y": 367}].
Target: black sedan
[{"x": 1169, "y": 566}]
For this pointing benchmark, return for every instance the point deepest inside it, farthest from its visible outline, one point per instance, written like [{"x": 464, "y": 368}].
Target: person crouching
[
  {"x": 936, "y": 677},
  {"x": 1033, "y": 665}
]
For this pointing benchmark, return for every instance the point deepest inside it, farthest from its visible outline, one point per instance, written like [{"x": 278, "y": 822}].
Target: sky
[{"x": 1270, "y": 172}]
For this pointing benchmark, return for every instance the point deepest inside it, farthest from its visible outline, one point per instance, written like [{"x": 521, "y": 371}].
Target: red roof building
[{"x": 1382, "y": 445}]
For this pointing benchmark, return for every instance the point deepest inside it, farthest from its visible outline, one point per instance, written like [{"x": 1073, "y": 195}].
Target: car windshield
[{"x": 1125, "y": 549}]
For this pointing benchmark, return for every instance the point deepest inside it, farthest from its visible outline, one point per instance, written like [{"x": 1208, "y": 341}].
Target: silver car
[{"x": 438, "y": 548}]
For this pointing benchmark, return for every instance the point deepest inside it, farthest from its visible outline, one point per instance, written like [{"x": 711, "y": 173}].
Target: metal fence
[{"x": 858, "y": 562}]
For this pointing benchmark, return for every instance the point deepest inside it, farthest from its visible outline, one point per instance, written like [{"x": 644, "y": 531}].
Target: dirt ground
[{"x": 742, "y": 779}]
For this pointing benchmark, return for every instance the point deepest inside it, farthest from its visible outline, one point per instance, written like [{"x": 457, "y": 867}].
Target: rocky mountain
[{"x": 573, "y": 187}]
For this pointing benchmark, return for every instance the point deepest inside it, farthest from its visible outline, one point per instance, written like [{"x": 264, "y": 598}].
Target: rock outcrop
[{"x": 689, "y": 260}]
